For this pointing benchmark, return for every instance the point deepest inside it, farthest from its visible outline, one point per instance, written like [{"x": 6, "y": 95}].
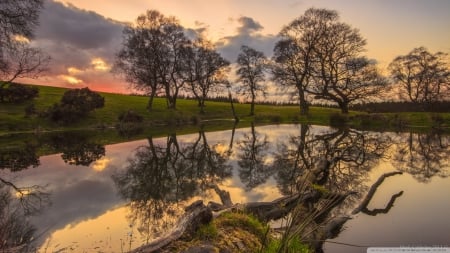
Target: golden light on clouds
[
  {"x": 74, "y": 71},
  {"x": 99, "y": 64},
  {"x": 70, "y": 79},
  {"x": 101, "y": 164}
]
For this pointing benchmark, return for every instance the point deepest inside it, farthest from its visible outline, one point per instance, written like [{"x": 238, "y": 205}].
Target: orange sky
[{"x": 391, "y": 27}]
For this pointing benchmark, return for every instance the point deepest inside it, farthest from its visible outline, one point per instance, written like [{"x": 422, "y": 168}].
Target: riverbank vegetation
[{"x": 15, "y": 117}]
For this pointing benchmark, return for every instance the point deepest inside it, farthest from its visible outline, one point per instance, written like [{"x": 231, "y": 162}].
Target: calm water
[{"x": 94, "y": 198}]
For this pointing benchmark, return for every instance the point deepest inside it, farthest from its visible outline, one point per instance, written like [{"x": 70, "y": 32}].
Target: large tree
[
  {"x": 206, "y": 70},
  {"x": 294, "y": 53},
  {"x": 340, "y": 73},
  {"x": 18, "y": 18},
  {"x": 423, "y": 77},
  {"x": 321, "y": 56},
  {"x": 154, "y": 55},
  {"x": 251, "y": 65},
  {"x": 353, "y": 80}
]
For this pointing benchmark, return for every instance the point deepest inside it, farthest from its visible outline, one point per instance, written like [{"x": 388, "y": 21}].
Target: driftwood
[
  {"x": 196, "y": 215},
  {"x": 373, "y": 189},
  {"x": 333, "y": 227}
]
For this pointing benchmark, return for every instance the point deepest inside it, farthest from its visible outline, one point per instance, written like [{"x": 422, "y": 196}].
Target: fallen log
[{"x": 195, "y": 215}]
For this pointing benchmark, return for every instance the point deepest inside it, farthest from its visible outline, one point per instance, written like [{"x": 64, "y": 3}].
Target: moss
[
  {"x": 207, "y": 232},
  {"x": 244, "y": 221}
]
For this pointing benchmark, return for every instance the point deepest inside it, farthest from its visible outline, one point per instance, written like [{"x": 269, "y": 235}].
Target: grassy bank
[{"x": 13, "y": 117}]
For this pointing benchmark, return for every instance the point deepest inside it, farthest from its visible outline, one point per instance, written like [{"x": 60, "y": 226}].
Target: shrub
[
  {"x": 129, "y": 124},
  {"x": 18, "y": 93},
  {"x": 75, "y": 104}
]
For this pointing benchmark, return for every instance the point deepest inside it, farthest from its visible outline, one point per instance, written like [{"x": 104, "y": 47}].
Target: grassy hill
[{"x": 13, "y": 119}]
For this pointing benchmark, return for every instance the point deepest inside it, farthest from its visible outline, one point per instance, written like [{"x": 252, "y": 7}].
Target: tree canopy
[
  {"x": 321, "y": 57},
  {"x": 421, "y": 76},
  {"x": 250, "y": 72}
]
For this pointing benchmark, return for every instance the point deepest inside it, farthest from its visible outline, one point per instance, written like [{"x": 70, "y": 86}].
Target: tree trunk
[
  {"x": 150, "y": 100},
  {"x": 304, "y": 106},
  {"x": 344, "y": 107},
  {"x": 201, "y": 104},
  {"x": 171, "y": 102},
  {"x": 236, "y": 118},
  {"x": 252, "y": 108}
]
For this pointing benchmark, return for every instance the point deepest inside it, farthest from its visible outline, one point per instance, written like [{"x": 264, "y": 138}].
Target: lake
[{"x": 88, "y": 197}]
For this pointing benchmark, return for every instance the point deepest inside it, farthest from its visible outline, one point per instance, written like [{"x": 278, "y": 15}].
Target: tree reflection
[
  {"x": 253, "y": 168},
  {"x": 76, "y": 148},
  {"x": 337, "y": 159},
  {"x": 16, "y": 205},
  {"x": 15, "y": 230},
  {"x": 19, "y": 158},
  {"x": 329, "y": 168},
  {"x": 158, "y": 177},
  {"x": 423, "y": 155}
]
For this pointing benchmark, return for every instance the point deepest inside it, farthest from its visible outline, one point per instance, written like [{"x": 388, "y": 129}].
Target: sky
[{"x": 83, "y": 36}]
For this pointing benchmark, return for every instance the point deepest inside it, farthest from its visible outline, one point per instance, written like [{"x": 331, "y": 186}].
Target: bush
[
  {"x": 18, "y": 93},
  {"x": 75, "y": 104},
  {"x": 129, "y": 124}
]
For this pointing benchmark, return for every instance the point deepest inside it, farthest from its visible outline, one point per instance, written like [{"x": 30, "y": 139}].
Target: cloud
[
  {"x": 82, "y": 45},
  {"x": 248, "y": 33},
  {"x": 248, "y": 25},
  {"x": 79, "y": 28}
]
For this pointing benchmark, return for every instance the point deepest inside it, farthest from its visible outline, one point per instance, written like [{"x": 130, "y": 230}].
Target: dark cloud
[
  {"x": 248, "y": 25},
  {"x": 82, "y": 29},
  {"x": 247, "y": 34},
  {"x": 74, "y": 37}
]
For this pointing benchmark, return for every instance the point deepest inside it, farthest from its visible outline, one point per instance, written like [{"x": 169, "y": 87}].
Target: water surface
[{"x": 94, "y": 198}]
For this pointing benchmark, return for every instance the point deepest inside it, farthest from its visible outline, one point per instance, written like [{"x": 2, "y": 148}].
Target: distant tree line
[{"x": 403, "y": 106}]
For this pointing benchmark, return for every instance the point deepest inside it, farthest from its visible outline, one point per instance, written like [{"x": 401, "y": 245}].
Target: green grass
[{"x": 13, "y": 116}]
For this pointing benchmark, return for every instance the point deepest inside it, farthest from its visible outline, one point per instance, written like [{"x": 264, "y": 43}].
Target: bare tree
[
  {"x": 294, "y": 53},
  {"x": 23, "y": 61},
  {"x": 206, "y": 70},
  {"x": 18, "y": 18},
  {"x": 341, "y": 74},
  {"x": 154, "y": 55},
  {"x": 251, "y": 74},
  {"x": 355, "y": 80},
  {"x": 423, "y": 77}
]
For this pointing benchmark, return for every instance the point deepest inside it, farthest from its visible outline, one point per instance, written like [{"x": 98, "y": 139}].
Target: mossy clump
[{"x": 234, "y": 231}]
